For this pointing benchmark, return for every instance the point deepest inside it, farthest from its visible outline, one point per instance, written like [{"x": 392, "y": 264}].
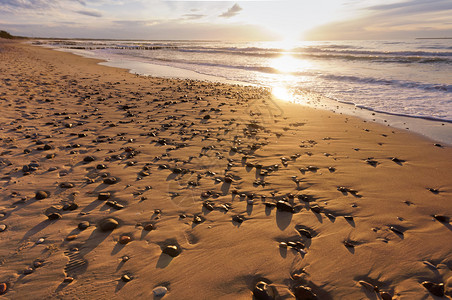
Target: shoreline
[
  {"x": 434, "y": 129},
  {"x": 240, "y": 186}
]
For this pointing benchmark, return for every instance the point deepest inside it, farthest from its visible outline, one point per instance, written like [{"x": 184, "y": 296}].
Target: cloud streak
[
  {"x": 233, "y": 11},
  {"x": 90, "y": 13}
]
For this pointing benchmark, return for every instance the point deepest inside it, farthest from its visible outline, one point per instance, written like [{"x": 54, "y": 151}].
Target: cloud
[
  {"x": 193, "y": 16},
  {"x": 37, "y": 4},
  {"x": 91, "y": 13},
  {"x": 233, "y": 11},
  {"x": 415, "y": 6},
  {"x": 400, "y": 20}
]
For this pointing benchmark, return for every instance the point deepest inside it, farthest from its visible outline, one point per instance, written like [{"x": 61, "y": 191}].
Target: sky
[{"x": 288, "y": 20}]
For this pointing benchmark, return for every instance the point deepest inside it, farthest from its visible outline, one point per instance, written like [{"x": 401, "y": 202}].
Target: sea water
[{"x": 411, "y": 78}]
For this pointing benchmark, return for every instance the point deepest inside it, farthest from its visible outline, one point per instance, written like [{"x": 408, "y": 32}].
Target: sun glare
[{"x": 282, "y": 93}]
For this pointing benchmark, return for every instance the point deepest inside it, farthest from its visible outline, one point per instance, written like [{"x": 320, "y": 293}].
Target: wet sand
[{"x": 114, "y": 184}]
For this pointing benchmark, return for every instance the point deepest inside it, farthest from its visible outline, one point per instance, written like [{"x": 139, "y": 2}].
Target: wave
[
  {"x": 447, "y": 88},
  {"x": 439, "y": 53}
]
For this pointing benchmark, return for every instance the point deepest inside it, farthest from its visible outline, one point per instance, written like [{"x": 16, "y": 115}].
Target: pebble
[
  {"x": 83, "y": 225},
  {"x": 41, "y": 195},
  {"x": 159, "y": 291},
  {"x": 198, "y": 219},
  {"x": 38, "y": 263},
  {"x": 28, "y": 271},
  {"x": 262, "y": 291},
  {"x": 71, "y": 237},
  {"x": 284, "y": 206},
  {"x": 3, "y": 227},
  {"x": 114, "y": 204},
  {"x": 54, "y": 216},
  {"x": 40, "y": 241},
  {"x": 396, "y": 230},
  {"x": 110, "y": 180},
  {"x": 436, "y": 289},
  {"x": 89, "y": 159},
  {"x": 238, "y": 219},
  {"x": 172, "y": 250},
  {"x": 442, "y": 219},
  {"x": 126, "y": 278},
  {"x": 125, "y": 239},
  {"x": 66, "y": 185},
  {"x": 3, "y": 288},
  {"x": 70, "y": 206},
  {"x": 304, "y": 293},
  {"x": 149, "y": 227},
  {"x": 108, "y": 224},
  {"x": 68, "y": 279},
  {"x": 103, "y": 196},
  {"x": 385, "y": 296},
  {"x": 316, "y": 209},
  {"x": 305, "y": 233},
  {"x": 368, "y": 286}
]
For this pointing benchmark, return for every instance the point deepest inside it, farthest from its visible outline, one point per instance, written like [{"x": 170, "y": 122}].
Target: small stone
[
  {"x": 305, "y": 233},
  {"x": 396, "y": 230},
  {"x": 70, "y": 206},
  {"x": 442, "y": 219},
  {"x": 66, "y": 185},
  {"x": 38, "y": 263},
  {"x": 368, "y": 286},
  {"x": 3, "y": 227},
  {"x": 54, "y": 216},
  {"x": 349, "y": 244},
  {"x": 198, "y": 219},
  {"x": 71, "y": 237},
  {"x": 28, "y": 271},
  {"x": 316, "y": 209},
  {"x": 284, "y": 206},
  {"x": 172, "y": 250},
  {"x": 239, "y": 219},
  {"x": 68, "y": 280},
  {"x": 83, "y": 225},
  {"x": 126, "y": 278},
  {"x": 159, "y": 291},
  {"x": 41, "y": 195},
  {"x": 385, "y": 296},
  {"x": 3, "y": 288},
  {"x": 89, "y": 159},
  {"x": 348, "y": 218},
  {"x": 40, "y": 241},
  {"x": 262, "y": 291},
  {"x": 125, "y": 258},
  {"x": 149, "y": 227},
  {"x": 304, "y": 293},
  {"x": 108, "y": 224},
  {"x": 436, "y": 289},
  {"x": 125, "y": 239},
  {"x": 283, "y": 245},
  {"x": 114, "y": 204},
  {"x": 103, "y": 196},
  {"x": 110, "y": 180},
  {"x": 101, "y": 167}
]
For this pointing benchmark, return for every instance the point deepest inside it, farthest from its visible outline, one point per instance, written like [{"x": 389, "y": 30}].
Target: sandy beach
[{"x": 118, "y": 186}]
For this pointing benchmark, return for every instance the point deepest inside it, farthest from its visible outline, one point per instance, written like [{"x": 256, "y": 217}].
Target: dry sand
[{"x": 172, "y": 164}]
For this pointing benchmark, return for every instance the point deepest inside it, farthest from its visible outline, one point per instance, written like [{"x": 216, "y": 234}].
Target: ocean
[{"x": 411, "y": 78}]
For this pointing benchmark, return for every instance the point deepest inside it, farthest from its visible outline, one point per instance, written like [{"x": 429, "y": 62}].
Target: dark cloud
[
  {"x": 90, "y": 13},
  {"x": 405, "y": 19},
  {"x": 415, "y": 6},
  {"x": 36, "y": 4},
  {"x": 233, "y": 11},
  {"x": 193, "y": 16}
]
